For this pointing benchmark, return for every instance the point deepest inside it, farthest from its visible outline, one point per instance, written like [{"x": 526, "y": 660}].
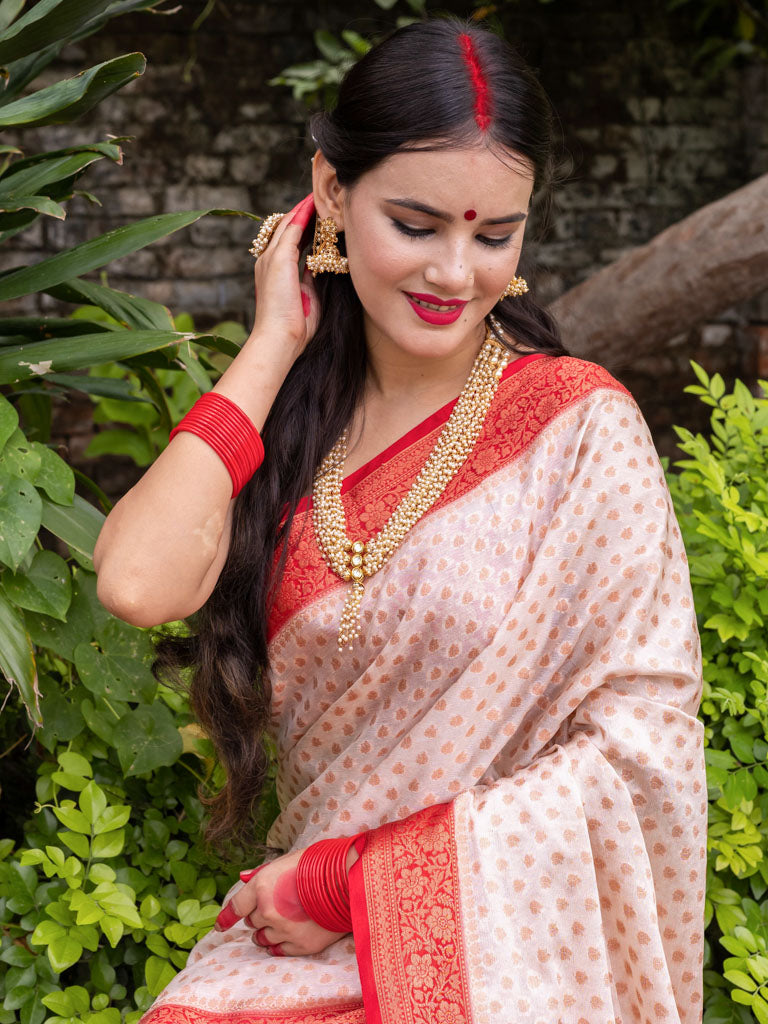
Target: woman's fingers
[
  {"x": 242, "y": 903},
  {"x": 298, "y": 217},
  {"x": 227, "y": 917}
]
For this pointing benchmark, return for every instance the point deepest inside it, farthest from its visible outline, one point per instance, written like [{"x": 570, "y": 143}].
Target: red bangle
[
  {"x": 226, "y": 428},
  {"x": 322, "y": 885}
]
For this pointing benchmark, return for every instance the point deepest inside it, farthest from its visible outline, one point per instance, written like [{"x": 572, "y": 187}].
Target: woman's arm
[{"x": 163, "y": 545}]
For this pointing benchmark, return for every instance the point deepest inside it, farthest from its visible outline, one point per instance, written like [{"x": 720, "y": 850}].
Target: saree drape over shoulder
[{"x": 516, "y": 727}]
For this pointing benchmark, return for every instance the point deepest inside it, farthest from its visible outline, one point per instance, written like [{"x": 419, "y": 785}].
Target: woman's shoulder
[{"x": 555, "y": 381}]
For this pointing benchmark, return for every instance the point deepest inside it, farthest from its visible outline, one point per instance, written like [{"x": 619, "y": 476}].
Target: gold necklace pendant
[{"x": 354, "y": 561}]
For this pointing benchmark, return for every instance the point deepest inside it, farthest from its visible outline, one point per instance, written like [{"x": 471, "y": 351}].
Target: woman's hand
[
  {"x": 287, "y": 309},
  {"x": 269, "y": 904}
]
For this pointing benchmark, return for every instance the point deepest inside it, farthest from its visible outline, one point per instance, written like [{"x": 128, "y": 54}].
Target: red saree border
[
  {"x": 525, "y": 404},
  {"x": 340, "y": 1013},
  {"x": 406, "y": 917}
]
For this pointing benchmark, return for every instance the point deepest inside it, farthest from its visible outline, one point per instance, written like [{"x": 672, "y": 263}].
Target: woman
[{"x": 466, "y": 622}]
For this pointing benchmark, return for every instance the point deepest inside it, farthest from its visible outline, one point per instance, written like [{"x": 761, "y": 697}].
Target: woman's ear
[{"x": 329, "y": 194}]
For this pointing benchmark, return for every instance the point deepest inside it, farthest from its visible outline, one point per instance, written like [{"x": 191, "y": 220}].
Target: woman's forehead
[{"x": 461, "y": 178}]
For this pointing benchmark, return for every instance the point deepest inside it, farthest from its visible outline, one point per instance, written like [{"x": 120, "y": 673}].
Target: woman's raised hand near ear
[
  {"x": 163, "y": 545},
  {"x": 287, "y": 310}
]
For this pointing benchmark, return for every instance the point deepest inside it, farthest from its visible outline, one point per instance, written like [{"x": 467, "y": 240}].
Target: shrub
[
  {"x": 104, "y": 882},
  {"x": 721, "y": 499}
]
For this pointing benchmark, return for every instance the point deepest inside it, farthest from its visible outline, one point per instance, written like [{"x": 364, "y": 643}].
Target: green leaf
[
  {"x": 49, "y": 21},
  {"x": 113, "y": 929},
  {"x": 9, "y": 420},
  {"x": 102, "y": 972},
  {"x": 73, "y": 819},
  {"x": 741, "y": 980},
  {"x": 22, "y": 362},
  {"x": 19, "y": 458},
  {"x": 121, "y": 668},
  {"x": 9, "y": 9},
  {"x": 147, "y": 738},
  {"x": 70, "y": 99},
  {"x": 158, "y": 973},
  {"x": 111, "y": 818},
  {"x": 108, "y": 845},
  {"x": 71, "y": 761},
  {"x": 77, "y": 525},
  {"x": 86, "y": 908},
  {"x": 77, "y": 843},
  {"x": 121, "y": 442},
  {"x": 45, "y": 932},
  {"x": 17, "y": 956},
  {"x": 128, "y": 310},
  {"x": 21, "y": 885},
  {"x": 46, "y": 586},
  {"x": 59, "y": 1002},
  {"x": 17, "y": 659},
  {"x": 94, "y": 254},
  {"x": 20, "y": 516},
  {"x": 92, "y": 801},
  {"x": 55, "y": 477},
  {"x": 63, "y": 952},
  {"x": 40, "y": 204},
  {"x": 28, "y": 177},
  {"x": 62, "y": 718}
]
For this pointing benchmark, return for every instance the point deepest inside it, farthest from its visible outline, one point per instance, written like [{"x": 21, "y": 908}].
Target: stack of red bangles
[
  {"x": 226, "y": 428},
  {"x": 322, "y": 885}
]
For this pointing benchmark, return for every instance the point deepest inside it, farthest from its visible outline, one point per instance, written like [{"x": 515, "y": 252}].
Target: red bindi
[{"x": 470, "y": 214}]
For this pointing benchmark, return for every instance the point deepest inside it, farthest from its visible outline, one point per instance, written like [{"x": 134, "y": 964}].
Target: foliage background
[{"x": 104, "y": 882}]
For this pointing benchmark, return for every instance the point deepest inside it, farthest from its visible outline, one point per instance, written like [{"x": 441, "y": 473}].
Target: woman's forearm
[{"x": 163, "y": 545}]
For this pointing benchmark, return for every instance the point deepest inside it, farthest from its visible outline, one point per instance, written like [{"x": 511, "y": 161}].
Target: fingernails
[
  {"x": 246, "y": 876},
  {"x": 227, "y": 917},
  {"x": 304, "y": 211},
  {"x": 306, "y": 303}
]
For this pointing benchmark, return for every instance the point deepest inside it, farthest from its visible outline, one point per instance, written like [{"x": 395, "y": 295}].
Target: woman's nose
[{"x": 451, "y": 272}]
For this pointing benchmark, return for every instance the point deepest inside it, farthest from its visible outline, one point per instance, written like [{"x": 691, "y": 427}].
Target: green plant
[
  {"x": 721, "y": 499},
  {"x": 105, "y": 882},
  {"x": 317, "y": 81},
  {"x": 139, "y": 425}
]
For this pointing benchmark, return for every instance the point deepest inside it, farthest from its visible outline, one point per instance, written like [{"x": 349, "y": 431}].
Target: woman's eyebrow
[{"x": 413, "y": 204}]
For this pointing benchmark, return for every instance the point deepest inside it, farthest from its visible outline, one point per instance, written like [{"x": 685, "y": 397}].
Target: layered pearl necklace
[{"x": 354, "y": 560}]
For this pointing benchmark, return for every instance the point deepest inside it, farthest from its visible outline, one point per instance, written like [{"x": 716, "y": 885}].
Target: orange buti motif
[{"x": 479, "y": 82}]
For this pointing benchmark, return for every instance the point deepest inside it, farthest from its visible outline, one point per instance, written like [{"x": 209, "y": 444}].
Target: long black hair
[{"x": 435, "y": 84}]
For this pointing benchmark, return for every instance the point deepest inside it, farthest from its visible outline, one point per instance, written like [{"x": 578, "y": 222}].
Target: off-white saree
[{"x": 516, "y": 727}]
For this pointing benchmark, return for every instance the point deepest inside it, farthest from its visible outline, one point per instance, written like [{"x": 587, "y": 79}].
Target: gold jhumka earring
[
  {"x": 325, "y": 255},
  {"x": 517, "y": 286}
]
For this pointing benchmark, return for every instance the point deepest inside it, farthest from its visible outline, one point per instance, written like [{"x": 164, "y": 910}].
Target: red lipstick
[{"x": 434, "y": 316}]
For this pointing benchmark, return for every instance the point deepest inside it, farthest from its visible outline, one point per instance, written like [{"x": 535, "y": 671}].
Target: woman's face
[{"x": 426, "y": 229}]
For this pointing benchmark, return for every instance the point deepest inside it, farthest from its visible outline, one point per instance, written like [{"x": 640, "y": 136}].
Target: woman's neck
[{"x": 398, "y": 376}]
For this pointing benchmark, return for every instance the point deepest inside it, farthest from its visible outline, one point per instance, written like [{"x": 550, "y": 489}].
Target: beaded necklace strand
[{"x": 354, "y": 560}]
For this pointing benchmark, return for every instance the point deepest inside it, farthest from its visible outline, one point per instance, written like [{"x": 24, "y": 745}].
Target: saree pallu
[{"x": 515, "y": 729}]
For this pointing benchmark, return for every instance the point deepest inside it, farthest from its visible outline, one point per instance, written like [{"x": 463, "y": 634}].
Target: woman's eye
[
  {"x": 405, "y": 229},
  {"x": 411, "y": 232},
  {"x": 495, "y": 243}
]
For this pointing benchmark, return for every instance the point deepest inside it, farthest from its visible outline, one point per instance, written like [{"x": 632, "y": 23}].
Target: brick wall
[{"x": 650, "y": 140}]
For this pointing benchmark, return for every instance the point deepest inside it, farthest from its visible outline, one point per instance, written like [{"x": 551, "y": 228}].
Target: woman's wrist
[
  {"x": 254, "y": 378},
  {"x": 322, "y": 882}
]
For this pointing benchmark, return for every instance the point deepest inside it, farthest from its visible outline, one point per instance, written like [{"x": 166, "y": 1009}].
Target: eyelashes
[{"x": 493, "y": 243}]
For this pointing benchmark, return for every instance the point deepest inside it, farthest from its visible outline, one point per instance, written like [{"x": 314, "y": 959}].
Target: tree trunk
[{"x": 692, "y": 271}]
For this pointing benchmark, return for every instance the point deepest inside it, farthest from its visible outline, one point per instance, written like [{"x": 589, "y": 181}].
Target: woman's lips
[{"x": 435, "y": 316}]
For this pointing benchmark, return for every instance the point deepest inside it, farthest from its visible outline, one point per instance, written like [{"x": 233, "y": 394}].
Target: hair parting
[
  {"x": 499, "y": 104},
  {"x": 479, "y": 82}
]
